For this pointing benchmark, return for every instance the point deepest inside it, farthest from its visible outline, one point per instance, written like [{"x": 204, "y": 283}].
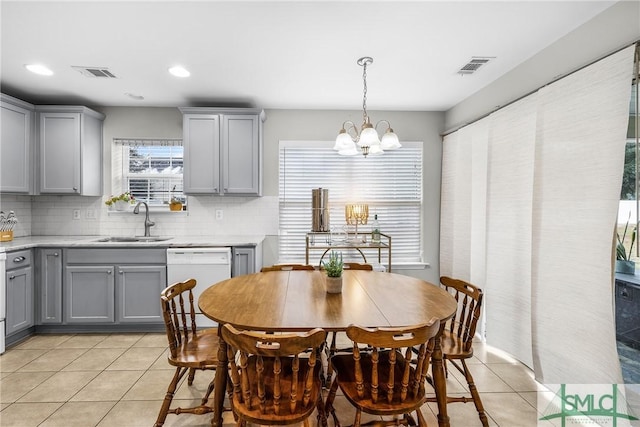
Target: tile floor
[{"x": 119, "y": 380}]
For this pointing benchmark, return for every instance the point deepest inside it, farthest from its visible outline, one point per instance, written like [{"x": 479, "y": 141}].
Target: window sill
[{"x": 152, "y": 211}]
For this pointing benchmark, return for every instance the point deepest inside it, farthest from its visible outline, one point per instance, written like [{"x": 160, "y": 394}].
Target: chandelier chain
[{"x": 364, "y": 92}]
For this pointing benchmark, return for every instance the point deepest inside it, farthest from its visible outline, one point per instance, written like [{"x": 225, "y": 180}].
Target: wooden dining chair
[
  {"x": 357, "y": 266},
  {"x": 457, "y": 338},
  {"x": 275, "y": 380},
  {"x": 189, "y": 348},
  {"x": 287, "y": 267},
  {"x": 385, "y": 378}
]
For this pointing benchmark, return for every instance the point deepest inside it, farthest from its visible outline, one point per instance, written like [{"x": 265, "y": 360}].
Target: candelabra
[{"x": 356, "y": 214}]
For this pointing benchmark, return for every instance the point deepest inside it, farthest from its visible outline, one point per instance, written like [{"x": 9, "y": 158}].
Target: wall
[
  {"x": 613, "y": 29},
  {"x": 320, "y": 125},
  {"x": 52, "y": 215}
]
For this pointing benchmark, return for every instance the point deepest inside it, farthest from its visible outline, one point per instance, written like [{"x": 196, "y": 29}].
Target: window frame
[
  {"x": 123, "y": 147},
  {"x": 407, "y": 244}
]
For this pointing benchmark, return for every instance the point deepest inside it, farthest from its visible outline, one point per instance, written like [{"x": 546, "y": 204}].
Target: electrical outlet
[
  {"x": 76, "y": 214},
  {"x": 90, "y": 214},
  {"x": 218, "y": 213}
]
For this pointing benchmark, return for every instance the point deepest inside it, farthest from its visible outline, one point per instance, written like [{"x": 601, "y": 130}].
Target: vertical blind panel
[
  {"x": 509, "y": 204},
  {"x": 581, "y": 135},
  {"x": 448, "y": 195},
  {"x": 390, "y": 184}
]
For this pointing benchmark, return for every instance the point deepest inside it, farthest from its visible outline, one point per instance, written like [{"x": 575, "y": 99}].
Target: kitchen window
[
  {"x": 151, "y": 169},
  {"x": 391, "y": 184}
]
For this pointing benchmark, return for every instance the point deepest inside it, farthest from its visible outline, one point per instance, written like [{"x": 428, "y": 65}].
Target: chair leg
[
  {"x": 358, "y": 419},
  {"x": 208, "y": 393},
  {"x": 328, "y": 405},
  {"x": 166, "y": 403},
  {"x": 421, "y": 421},
  {"x": 475, "y": 395},
  {"x": 192, "y": 374}
]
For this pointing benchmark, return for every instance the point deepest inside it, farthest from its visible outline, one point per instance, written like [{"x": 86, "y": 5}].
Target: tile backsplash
[{"x": 54, "y": 215}]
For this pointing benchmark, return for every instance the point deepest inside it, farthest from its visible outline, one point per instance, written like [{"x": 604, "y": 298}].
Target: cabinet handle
[
  {"x": 12, "y": 277},
  {"x": 75, "y": 189},
  {"x": 108, "y": 271},
  {"x": 55, "y": 254},
  {"x": 19, "y": 259},
  {"x": 121, "y": 272},
  {"x": 226, "y": 190},
  {"x": 215, "y": 189}
]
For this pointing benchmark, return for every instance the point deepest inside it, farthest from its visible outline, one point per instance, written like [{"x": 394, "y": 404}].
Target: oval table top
[{"x": 296, "y": 300}]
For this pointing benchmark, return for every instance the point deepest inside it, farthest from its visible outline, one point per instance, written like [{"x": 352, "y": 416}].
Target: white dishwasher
[{"x": 207, "y": 265}]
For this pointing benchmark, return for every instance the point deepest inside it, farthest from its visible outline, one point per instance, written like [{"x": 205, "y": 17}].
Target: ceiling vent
[
  {"x": 474, "y": 64},
  {"x": 99, "y": 72}
]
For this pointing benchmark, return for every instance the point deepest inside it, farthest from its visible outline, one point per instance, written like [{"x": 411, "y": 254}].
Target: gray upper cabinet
[
  {"x": 222, "y": 151},
  {"x": 16, "y": 146},
  {"x": 70, "y": 150}
]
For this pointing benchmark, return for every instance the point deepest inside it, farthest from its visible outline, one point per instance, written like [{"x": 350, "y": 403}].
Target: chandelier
[{"x": 350, "y": 141}]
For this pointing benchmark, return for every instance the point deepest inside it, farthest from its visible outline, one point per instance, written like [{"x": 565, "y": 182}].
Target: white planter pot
[
  {"x": 333, "y": 285},
  {"x": 121, "y": 205}
]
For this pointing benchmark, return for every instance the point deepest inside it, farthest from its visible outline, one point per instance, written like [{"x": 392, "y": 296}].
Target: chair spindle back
[
  {"x": 178, "y": 312},
  {"x": 268, "y": 374},
  {"x": 469, "y": 298},
  {"x": 389, "y": 362}
]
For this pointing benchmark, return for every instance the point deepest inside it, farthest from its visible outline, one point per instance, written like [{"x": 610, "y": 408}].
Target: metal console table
[{"x": 317, "y": 240}]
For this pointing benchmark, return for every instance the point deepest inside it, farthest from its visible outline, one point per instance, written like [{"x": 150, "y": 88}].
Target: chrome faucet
[{"x": 147, "y": 222}]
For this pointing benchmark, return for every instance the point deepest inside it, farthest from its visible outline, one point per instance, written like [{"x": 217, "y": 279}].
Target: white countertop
[{"x": 19, "y": 243}]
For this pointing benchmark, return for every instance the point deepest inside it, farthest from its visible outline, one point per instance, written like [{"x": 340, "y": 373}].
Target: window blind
[{"x": 390, "y": 184}]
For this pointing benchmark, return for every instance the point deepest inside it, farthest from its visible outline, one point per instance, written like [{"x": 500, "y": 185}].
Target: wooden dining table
[{"x": 288, "y": 301}]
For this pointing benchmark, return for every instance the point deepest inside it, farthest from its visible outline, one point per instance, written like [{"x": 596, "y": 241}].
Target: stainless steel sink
[{"x": 133, "y": 239}]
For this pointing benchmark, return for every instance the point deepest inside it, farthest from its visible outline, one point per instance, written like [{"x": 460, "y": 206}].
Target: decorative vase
[
  {"x": 121, "y": 205},
  {"x": 333, "y": 285},
  {"x": 625, "y": 267}
]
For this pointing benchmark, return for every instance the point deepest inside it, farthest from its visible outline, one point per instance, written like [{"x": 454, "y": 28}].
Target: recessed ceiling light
[
  {"x": 134, "y": 96},
  {"x": 179, "y": 71},
  {"x": 39, "y": 69}
]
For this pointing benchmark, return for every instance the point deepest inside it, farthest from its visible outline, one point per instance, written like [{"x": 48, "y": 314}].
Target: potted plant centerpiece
[
  {"x": 333, "y": 269},
  {"x": 121, "y": 202},
  {"x": 624, "y": 264}
]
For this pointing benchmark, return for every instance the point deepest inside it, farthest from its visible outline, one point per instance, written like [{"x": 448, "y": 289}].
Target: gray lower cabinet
[
  {"x": 113, "y": 286},
  {"x": 138, "y": 288},
  {"x": 89, "y": 295},
  {"x": 243, "y": 261},
  {"x": 19, "y": 283},
  {"x": 49, "y": 285}
]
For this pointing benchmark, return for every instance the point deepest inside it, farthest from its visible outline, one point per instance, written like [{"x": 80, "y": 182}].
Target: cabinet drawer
[
  {"x": 116, "y": 256},
  {"x": 18, "y": 259}
]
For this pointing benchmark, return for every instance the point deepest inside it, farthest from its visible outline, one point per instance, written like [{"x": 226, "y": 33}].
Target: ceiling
[{"x": 274, "y": 54}]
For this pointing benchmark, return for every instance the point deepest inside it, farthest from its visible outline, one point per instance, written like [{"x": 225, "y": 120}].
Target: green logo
[{"x": 602, "y": 405}]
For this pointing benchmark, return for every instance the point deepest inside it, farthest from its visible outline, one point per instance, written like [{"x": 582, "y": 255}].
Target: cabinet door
[
  {"x": 240, "y": 155},
  {"x": 89, "y": 294},
  {"x": 19, "y": 300},
  {"x": 50, "y": 286},
  {"x": 201, "y": 141},
  {"x": 243, "y": 261},
  {"x": 138, "y": 291},
  {"x": 59, "y": 137},
  {"x": 15, "y": 149}
]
